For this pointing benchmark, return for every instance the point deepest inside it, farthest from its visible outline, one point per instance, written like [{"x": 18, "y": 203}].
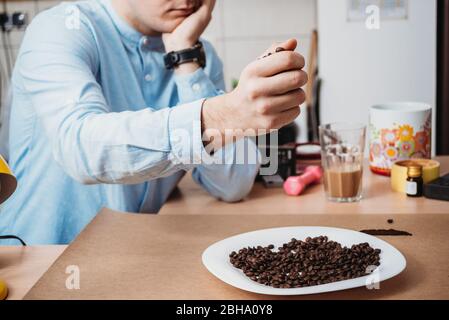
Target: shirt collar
[{"x": 129, "y": 33}]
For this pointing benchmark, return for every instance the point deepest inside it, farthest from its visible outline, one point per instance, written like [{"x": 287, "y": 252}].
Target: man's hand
[
  {"x": 188, "y": 32},
  {"x": 268, "y": 96}
]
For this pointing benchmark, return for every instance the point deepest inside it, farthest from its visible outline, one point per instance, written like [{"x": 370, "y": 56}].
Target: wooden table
[
  {"x": 161, "y": 257},
  {"x": 22, "y": 267},
  {"x": 378, "y": 198}
]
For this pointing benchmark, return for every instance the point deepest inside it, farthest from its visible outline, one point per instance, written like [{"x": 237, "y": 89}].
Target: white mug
[{"x": 399, "y": 131}]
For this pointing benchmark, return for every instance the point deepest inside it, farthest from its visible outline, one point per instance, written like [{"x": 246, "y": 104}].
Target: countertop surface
[
  {"x": 191, "y": 220},
  {"x": 161, "y": 257},
  {"x": 21, "y": 267},
  {"x": 377, "y": 198}
]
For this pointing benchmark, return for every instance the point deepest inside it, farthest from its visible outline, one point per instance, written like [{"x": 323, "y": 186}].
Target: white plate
[{"x": 216, "y": 258}]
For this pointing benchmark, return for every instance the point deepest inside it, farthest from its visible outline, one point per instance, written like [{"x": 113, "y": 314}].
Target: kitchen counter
[
  {"x": 195, "y": 220},
  {"x": 161, "y": 257},
  {"x": 378, "y": 199},
  {"x": 21, "y": 267}
]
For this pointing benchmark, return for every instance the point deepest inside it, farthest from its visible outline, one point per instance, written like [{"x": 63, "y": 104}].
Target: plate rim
[{"x": 284, "y": 291}]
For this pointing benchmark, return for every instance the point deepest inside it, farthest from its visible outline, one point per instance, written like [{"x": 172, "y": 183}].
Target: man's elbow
[
  {"x": 236, "y": 195},
  {"x": 240, "y": 190}
]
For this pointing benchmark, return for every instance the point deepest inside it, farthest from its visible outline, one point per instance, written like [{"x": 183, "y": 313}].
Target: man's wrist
[
  {"x": 211, "y": 122},
  {"x": 178, "y": 45},
  {"x": 215, "y": 125},
  {"x": 187, "y": 67}
]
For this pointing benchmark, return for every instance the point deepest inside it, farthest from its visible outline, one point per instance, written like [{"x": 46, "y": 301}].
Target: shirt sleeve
[
  {"x": 230, "y": 173},
  {"x": 56, "y": 71}
]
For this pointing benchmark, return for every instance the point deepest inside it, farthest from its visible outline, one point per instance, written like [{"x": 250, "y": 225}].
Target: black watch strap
[{"x": 196, "y": 54}]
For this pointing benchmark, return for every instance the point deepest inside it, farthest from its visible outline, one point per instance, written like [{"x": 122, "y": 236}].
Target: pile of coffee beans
[{"x": 306, "y": 263}]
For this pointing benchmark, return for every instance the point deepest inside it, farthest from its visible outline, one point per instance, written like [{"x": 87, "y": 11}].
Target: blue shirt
[{"x": 97, "y": 121}]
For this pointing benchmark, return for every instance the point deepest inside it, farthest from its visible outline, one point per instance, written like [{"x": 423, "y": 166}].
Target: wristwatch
[{"x": 195, "y": 54}]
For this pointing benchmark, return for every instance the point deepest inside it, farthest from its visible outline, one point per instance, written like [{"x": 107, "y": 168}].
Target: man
[{"x": 99, "y": 121}]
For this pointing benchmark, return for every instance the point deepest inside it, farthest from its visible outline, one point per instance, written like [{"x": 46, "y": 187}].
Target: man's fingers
[
  {"x": 211, "y": 4},
  {"x": 278, "y": 85},
  {"x": 207, "y": 6},
  {"x": 277, "y": 63},
  {"x": 196, "y": 4},
  {"x": 289, "y": 45},
  {"x": 277, "y": 104},
  {"x": 285, "y": 118},
  {"x": 204, "y": 12},
  {"x": 283, "y": 82}
]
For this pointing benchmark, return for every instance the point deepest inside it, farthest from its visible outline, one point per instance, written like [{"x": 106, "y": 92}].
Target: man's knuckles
[
  {"x": 264, "y": 108},
  {"x": 290, "y": 60}
]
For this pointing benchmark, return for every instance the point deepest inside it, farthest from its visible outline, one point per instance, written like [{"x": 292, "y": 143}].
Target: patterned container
[{"x": 399, "y": 131}]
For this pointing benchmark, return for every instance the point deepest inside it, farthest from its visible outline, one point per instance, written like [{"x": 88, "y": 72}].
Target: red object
[
  {"x": 380, "y": 171},
  {"x": 294, "y": 186}
]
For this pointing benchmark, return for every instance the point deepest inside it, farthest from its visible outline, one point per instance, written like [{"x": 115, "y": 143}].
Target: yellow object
[
  {"x": 430, "y": 172},
  {"x": 405, "y": 133},
  {"x": 3, "y": 290},
  {"x": 8, "y": 184}
]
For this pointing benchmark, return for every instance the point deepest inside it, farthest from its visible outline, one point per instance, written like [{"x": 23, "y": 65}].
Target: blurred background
[{"x": 357, "y": 62}]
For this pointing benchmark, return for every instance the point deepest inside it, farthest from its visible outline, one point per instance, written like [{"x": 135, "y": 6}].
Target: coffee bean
[{"x": 306, "y": 263}]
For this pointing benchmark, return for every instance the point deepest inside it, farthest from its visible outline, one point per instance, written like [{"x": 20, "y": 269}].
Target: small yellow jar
[{"x": 431, "y": 171}]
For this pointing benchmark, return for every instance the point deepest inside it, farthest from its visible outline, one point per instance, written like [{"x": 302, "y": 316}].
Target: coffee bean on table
[{"x": 298, "y": 264}]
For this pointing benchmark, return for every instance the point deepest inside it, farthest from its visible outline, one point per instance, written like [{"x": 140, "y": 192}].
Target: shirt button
[
  {"x": 148, "y": 77},
  {"x": 196, "y": 87},
  {"x": 145, "y": 41}
]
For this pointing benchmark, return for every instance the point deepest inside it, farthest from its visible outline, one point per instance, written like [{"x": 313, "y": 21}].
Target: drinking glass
[{"x": 342, "y": 148}]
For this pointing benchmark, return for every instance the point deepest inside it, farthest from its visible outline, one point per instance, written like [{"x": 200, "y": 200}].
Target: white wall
[{"x": 362, "y": 67}]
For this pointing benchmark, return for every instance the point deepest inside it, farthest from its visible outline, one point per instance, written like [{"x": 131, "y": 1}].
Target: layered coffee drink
[
  {"x": 342, "y": 147},
  {"x": 343, "y": 184}
]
